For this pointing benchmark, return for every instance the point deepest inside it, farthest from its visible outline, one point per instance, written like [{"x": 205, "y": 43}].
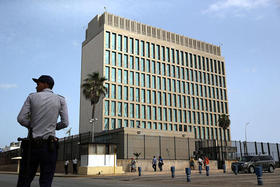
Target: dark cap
[{"x": 45, "y": 79}]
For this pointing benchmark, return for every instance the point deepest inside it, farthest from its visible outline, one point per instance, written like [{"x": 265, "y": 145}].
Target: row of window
[
  {"x": 164, "y": 98},
  {"x": 131, "y": 110},
  {"x": 163, "y": 53},
  {"x": 170, "y": 71},
  {"x": 169, "y": 85},
  {"x": 199, "y": 132}
]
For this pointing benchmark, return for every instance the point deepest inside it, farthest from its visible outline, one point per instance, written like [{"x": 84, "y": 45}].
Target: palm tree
[
  {"x": 224, "y": 121},
  {"x": 93, "y": 89}
]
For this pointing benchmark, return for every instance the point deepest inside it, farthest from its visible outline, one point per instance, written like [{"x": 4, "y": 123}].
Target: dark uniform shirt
[{"x": 40, "y": 111}]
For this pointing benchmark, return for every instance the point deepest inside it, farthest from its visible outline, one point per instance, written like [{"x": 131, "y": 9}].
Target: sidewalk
[{"x": 144, "y": 173}]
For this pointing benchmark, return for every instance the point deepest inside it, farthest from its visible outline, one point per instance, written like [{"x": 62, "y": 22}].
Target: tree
[
  {"x": 224, "y": 121},
  {"x": 93, "y": 89}
]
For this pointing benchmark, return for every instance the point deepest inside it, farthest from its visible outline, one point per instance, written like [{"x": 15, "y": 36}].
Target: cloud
[
  {"x": 222, "y": 7},
  {"x": 7, "y": 86}
]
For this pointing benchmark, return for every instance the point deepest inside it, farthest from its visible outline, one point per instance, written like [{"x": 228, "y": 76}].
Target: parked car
[{"x": 249, "y": 163}]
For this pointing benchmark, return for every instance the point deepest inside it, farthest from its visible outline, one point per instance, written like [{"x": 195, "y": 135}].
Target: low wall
[{"x": 146, "y": 165}]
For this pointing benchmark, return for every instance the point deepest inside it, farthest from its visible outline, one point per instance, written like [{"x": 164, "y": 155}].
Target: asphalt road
[{"x": 214, "y": 180}]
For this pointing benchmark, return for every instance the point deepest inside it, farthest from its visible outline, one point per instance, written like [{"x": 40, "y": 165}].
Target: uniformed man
[{"x": 39, "y": 114}]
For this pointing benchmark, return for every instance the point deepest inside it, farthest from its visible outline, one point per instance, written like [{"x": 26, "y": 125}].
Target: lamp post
[
  {"x": 246, "y": 137},
  {"x": 92, "y": 122},
  {"x": 246, "y": 131}
]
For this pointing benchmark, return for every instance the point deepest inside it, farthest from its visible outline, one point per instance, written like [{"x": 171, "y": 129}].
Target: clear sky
[{"x": 44, "y": 37}]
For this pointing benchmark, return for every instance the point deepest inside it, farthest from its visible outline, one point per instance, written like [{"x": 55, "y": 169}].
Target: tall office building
[{"x": 158, "y": 82}]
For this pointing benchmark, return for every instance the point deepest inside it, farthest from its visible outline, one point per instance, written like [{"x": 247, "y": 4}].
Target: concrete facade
[{"x": 180, "y": 90}]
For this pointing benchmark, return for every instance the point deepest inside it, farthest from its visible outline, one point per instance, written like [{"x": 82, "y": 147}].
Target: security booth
[{"x": 98, "y": 158}]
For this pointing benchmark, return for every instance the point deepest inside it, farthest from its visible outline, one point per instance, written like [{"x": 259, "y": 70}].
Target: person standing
[
  {"x": 66, "y": 163},
  {"x": 160, "y": 163},
  {"x": 154, "y": 163},
  {"x": 39, "y": 114},
  {"x": 75, "y": 165}
]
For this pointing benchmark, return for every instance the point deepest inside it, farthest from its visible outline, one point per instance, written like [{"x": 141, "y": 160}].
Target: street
[{"x": 160, "y": 180}]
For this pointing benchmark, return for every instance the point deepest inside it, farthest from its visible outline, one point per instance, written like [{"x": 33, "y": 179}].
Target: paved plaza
[{"x": 217, "y": 179}]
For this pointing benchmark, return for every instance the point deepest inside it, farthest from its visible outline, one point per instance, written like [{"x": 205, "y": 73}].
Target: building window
[
  {"x": 125, "y": 44},
  {"x": 119, "y": 109},
  {"x": 107, "y": 41},
  {"x": 131, "y": 62},
  {"x": 131, "y": 109},
  {"x": 131, "y": 94},
  {"x": 119, "y": 59},
  {"x": 148, "y": 112},
  {"x": 159, "y": 114},
  {"x": 107, "y": 73},
  {"x": 131, "y": 45},
  {"x": 142, "y": 48},
  {"x": 113, "y": 91},
  {"x": 137, "y": 63},
  {"x": 114, "y": 41},
  {"x": 153, "y": 51},
  {"x": 125, "y": 123},
  {"x": 107, "y": 57},
  {"x": 143, "y": 112},
  {"x": 131, "y": 78},
  {"x": 137, "y": 111},
  {"x": 131, "y": 124},
  {"x": 148, "y": 66},
  {"x": 149, "y": 125},
  {"x": 154, "y": 97},
  {"x": 154, "y": 126},
  {"x": 162, "y": 53},
  {"x": 137, "y": 79},
  {"x": 142, "y": 95},
  {"x": 137, "y": 93},
  {"x": 119, "y": 123},
  {"x": 113, "y": 75},
  {"x": 148, "y": 96},
  {"x": 125, "y": 63},
  {"x": 148, "y": 49},
  {"x": 142, "y": 64},
  {"x": 106, "y": 106},
  {"x": 125, "y": 93},
  {"x": 143, "y": 124},
  {"x": 137, "y": 47},
  {"x": 119, "y": 92},
  {"x": 119, "y": 75},
  {"x": 106, "y": 124},
  {"x": 113, "y": 123},
  {"x": 119, "y": 42}
]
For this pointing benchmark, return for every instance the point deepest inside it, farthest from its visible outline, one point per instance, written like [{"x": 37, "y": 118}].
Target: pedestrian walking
[
  {"x": 154, "y": 163},
  {"x": 39, "y": 114},
  {"x": 206, "y": 161},
  {"x": 66, "y": 163},
  {"x": 75, "y": 166},
  {"x": 160, "y": 163},
  {"x": 192, "y": 163},
  {"x": 133, "y": 165},
  {"x": 200, "y": 161}
]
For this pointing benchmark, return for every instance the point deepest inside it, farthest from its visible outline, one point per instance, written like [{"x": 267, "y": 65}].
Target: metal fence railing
[{"x": 173, "y": 148}]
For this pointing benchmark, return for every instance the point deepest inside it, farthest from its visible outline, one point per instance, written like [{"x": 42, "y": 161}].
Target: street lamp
[
  {"x": 246, "y": 131},
  {"x": 246, "y": 149},
  {"x": 92, "y": 122}
]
